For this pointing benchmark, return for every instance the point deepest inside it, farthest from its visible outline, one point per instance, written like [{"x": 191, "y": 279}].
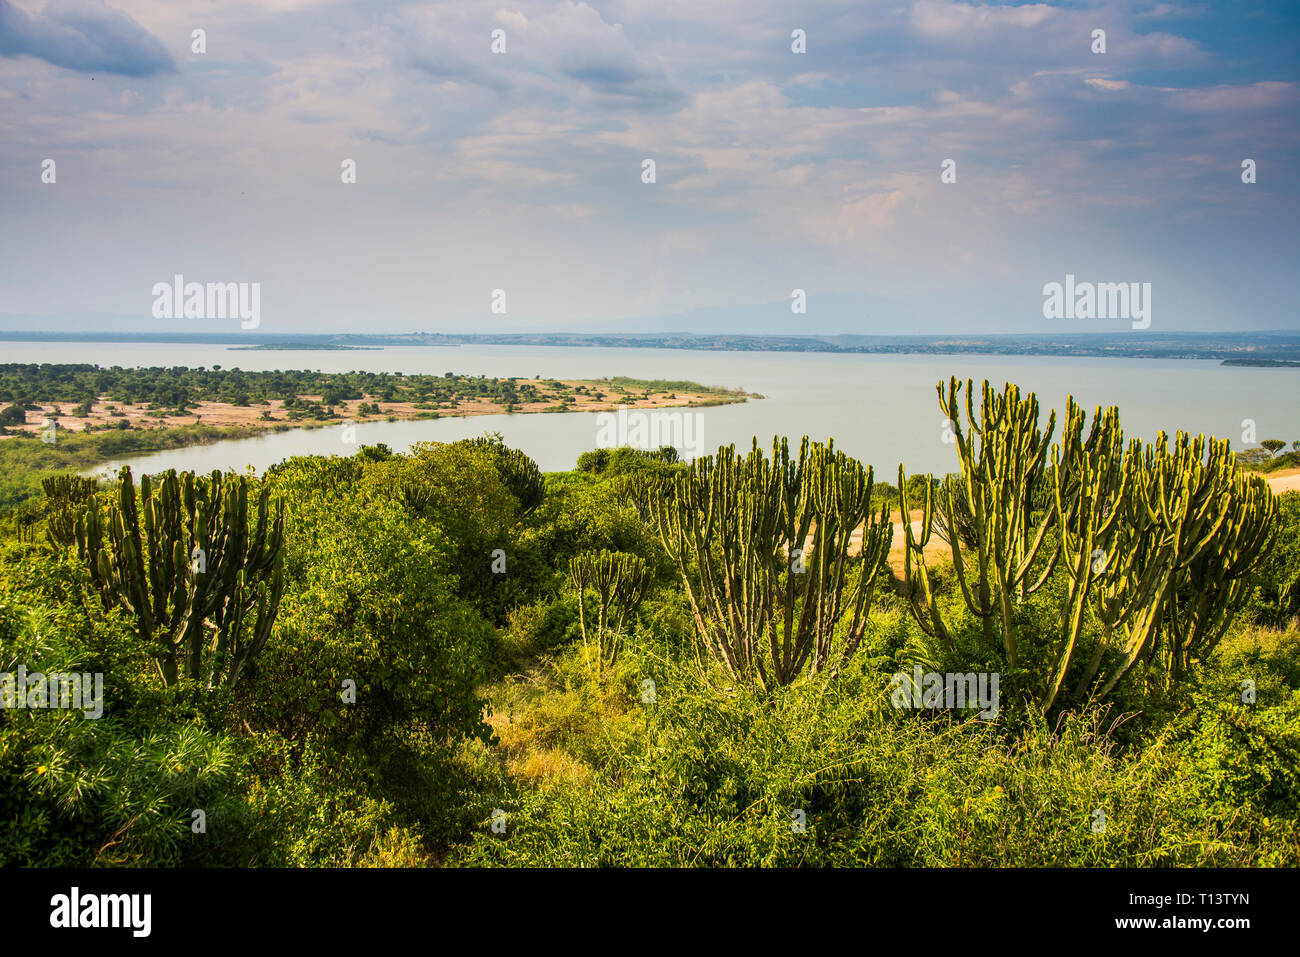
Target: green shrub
[{"x": 717, "y": 777}]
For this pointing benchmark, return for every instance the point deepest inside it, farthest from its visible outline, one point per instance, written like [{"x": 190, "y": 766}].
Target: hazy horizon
[{"x": 33, "y": 333}]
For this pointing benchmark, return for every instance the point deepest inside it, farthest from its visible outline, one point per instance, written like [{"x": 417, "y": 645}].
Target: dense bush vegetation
[
  {"x": 24, "y": 384},
  {"x": 426, "y": 694}
]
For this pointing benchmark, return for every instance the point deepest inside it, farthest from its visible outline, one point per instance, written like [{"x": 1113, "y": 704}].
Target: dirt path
[{"x": 936, "y": 548}]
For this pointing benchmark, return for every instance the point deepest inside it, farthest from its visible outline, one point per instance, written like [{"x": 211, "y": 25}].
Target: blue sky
[{"x": 522, "y": 171}]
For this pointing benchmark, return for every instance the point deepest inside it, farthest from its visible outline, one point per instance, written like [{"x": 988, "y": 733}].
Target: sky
[{"x": 524, "y": 171}]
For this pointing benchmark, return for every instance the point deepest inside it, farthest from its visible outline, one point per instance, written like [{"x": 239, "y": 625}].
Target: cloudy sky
[{"x": 523, "y": 170}]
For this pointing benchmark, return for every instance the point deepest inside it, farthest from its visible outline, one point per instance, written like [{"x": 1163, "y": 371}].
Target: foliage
[
  {"x": 188, "y": 565},
  {"x": 625, "y": 459},
  {"x": 1156, "y": 542},
  {"x": 369, "y": 600},
  {"x": 1276, "y": 596},
  {"x": 620, "y": 582},
  {"x": 120, "y": 789},
  {"x": 708, "y": 780},
  {"x": 408, "y": 690},
  {"x": 762, "y": 549},
  {"x": 520, "y": 473}
]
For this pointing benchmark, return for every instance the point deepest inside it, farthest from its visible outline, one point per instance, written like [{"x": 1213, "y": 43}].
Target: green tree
[
  {"x": 762, "y": 547},
  {"x": 1156, "y": 543},
  {"x": 620, "y": 582},
  {"x": 202, "y": 584},
  {"x": 517, "y": 470},
  {"x": 457, "y": 488},
  {"x": 372, "y": 640}
]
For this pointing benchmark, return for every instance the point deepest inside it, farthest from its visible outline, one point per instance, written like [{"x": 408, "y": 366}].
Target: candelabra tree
[
  {"x": 1089, "y": 478},
  {"x": 620, "y": 582},
  {"x": 1192, "y": 528},
  {"x": 202, "y": 582},
  {"x": 1214, "y": 585},
  {"x": 65, "y": 496},
  {"x": 765, "y": 550},
  {"x": 1002, "y": 452},
  {"x": 1155, "y": 542}
]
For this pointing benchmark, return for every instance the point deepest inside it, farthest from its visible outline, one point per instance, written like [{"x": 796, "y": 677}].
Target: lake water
[{"x": 881, "y": 409}]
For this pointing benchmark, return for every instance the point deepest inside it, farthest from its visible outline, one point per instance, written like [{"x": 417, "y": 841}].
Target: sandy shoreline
[{"x": 254, "y": 416}]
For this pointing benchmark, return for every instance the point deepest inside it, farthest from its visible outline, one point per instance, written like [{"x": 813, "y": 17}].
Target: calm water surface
[{"x": 881, "y": 409}]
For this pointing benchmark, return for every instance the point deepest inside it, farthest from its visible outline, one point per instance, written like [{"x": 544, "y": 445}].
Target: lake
[{"x": 881, "y": 409}]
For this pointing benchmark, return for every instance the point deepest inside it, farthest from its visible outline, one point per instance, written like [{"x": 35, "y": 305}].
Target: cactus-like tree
[
  {"x": 65, "y": 496},
  {"x": 620, "y": 582},
  {"x": 1155, "y": 541},
  {"x": 1002, "y": 452},
  {"x": 1192, "y": 528},
  {"x": 1088, "y": 483},
  {"x": 202, "y": 581},
  {"x": 1214, "y": 585},
  {"x": 763, "y": 545}
]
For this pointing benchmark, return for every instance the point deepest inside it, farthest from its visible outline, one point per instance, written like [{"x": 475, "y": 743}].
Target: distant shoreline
[
  {"x": 103, "y": 429},
  {"x": 1263, "y": 363},
  {"x": 302, "y": 347},
  {"x": 1253, "y": 349}
]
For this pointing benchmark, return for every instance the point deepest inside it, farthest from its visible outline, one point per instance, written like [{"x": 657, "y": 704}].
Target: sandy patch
[
  {"x": 1285, "y": 480},
  {"x": 935, "y": 549},
  {"x": 254, "y": 416}
]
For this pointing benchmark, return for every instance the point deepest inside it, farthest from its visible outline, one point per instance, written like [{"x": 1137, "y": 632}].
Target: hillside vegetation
[{"x": 449, "y": 658}]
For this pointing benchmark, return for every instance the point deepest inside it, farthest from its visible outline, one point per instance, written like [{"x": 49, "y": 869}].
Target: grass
[
  {"x": 25, "y": 460},
  {"x": 710, "y": 778}
]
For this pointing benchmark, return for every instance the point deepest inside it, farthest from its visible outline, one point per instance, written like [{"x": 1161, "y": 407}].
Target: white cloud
[
  {"x": 472, "y": 165},
  {"x": 512, "y": 19}
]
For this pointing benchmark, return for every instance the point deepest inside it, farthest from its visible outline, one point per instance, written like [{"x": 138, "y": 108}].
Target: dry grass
[{"x": 553, "y": 723}]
